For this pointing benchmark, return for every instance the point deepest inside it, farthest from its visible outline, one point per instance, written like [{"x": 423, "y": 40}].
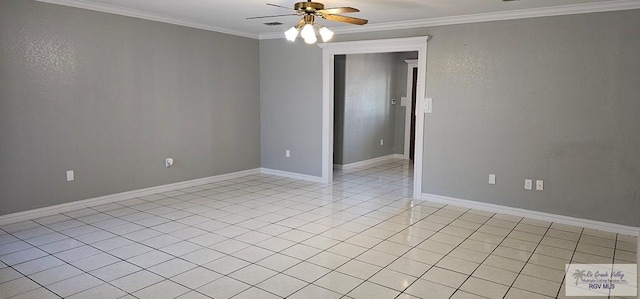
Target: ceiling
[{"x": 229, "y": 16}]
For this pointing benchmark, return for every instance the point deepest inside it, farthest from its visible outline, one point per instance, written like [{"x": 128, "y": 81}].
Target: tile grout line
[
  {"x": 571, "y": 260},
  {"x": 454, "y": 248},
  {"x": 529, "y": 258},
  {"x": 488, "y": 255}
]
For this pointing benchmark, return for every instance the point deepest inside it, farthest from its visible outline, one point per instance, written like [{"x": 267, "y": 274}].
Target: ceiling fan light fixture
[
  {"x": 308, "y": 33},
  {"x": 326, "y": 34},
  {"x": 291, "y": 34},
  {"x": 311, "y": 40},
  {"x": 307, "y": 28}
]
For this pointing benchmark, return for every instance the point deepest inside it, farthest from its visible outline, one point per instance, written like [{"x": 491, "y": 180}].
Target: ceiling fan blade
[
  {"x": 338, "y": 10},
  {"x": 274, "y": 16},
  {"x": 345, "y": 19},
  {"x": 276, "y": 5}
]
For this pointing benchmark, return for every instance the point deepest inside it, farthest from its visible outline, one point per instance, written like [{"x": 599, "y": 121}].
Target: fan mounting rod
[{"x": 308, "y": 19}]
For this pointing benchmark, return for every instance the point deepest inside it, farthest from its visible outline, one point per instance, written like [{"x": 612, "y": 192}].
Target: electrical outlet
[
  {"x": 70, "y": 176},
  {"x": 539, "y": 185},
  {"x": 492, "y": 179},
  {"x": 528, "y": 184},
  {"x": 287, "y": 153},
  {"x": 381, "y": 141}
]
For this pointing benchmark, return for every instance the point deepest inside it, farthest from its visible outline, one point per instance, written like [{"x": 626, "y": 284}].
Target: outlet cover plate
[
  {"x": 528, "y": 184},
  {"x": 539, "y": 185}
]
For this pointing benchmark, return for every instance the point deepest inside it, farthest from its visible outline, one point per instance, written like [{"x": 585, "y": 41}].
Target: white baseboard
[
  {"x": 292, "y": 175},
  {"x": 80, "y": 204},
  {"x": 599, "y": 225},
  {"x": 369, "y": 162}
]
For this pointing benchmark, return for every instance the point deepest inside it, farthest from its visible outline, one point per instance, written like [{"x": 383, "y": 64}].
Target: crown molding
[
  {"x": 485, "y": 17},
  {"x": 146, "y": 16},
  {"x": 474, "y": 18}
]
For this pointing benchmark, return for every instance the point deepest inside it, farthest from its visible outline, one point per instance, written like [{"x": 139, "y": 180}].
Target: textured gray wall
[
  {"x": 556, "y": 99},
  {"x": 552, "y": 98},
  {"x": 290, "y": 112},
  {"x": 367, "y": 115},
  {"x": 111, "y": 97}
]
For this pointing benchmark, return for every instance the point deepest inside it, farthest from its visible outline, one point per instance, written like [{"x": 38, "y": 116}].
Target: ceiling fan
[{"x": 309, "y": 11}]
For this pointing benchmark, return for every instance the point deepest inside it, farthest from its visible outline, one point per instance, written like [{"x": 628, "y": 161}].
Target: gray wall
[
  {"x": 541, "y": 99},
  {"x": 111, "y": 97},
  {"x": 290, "y": 112},
  {"x": 364, "y": 107},
  {"x": 552, "y": 98}
]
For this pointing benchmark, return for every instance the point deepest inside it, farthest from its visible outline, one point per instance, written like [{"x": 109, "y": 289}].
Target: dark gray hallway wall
[
  {"x": 552, "y": 98},
  {"x": 339, "y": 85},
  {"x": 393, "y": 68},
  {"x": 365, "y": 109},
  {"x": 110, "y": 97}
]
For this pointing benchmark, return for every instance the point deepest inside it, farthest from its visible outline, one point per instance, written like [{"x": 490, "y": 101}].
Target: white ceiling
[{"x": 230, "y": 15}]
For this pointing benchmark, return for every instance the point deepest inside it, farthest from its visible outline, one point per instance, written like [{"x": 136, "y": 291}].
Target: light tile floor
[{"x": 264, "y": 236}]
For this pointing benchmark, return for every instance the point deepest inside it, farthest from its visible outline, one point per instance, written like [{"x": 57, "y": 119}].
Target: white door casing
[
  {"x": 329, "y": 50},
  {"x": 411, "y": 64}
]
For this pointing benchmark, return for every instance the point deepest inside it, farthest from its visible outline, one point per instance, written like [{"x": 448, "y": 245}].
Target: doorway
[
  {"x": 329, "y": 51},
  {"x": 372, "y": 107}
]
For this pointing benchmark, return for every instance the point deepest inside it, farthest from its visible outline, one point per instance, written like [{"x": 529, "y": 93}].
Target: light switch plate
[
  {"x": 492, "y": 179},
  {"x": 70, "y": 176},
  {"x": 428, "y": 105},
  {"x": 404, "y": 101},
  {"x": 528, "y": 184}
]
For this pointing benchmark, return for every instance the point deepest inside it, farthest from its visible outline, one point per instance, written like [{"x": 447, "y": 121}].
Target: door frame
[
  {"x": 411, "y": 64},
  {"x": 329, "y": 50}
]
